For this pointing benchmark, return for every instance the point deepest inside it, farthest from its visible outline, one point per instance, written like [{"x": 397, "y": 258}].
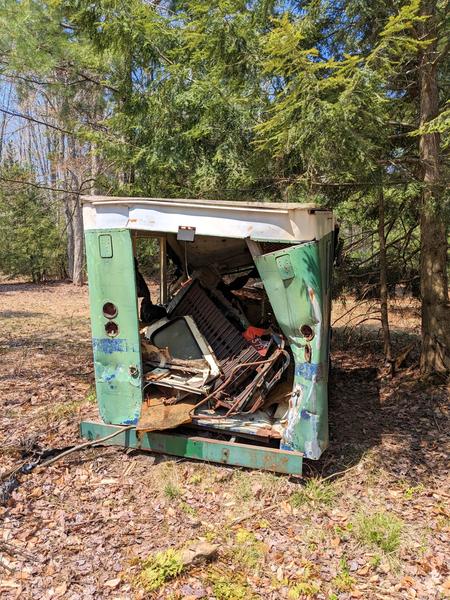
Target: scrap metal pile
[{"x": 205, "y": 353}]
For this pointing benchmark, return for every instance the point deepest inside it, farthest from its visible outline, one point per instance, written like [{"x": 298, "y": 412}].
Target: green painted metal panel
[
  {"x": 117, "y": 359},
  {"x": 207, "y": 449},
  {"x": 297, "y": 281}
]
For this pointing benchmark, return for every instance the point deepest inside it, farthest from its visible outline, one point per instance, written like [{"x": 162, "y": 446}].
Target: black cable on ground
[{"x": 10, "y": 481}]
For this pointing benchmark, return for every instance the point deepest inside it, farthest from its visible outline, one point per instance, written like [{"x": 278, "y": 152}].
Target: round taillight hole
[
  {"x": 112, "y": 329},
  {"x": 307, "y": 332},
  {"x": 109, "y": 310}
]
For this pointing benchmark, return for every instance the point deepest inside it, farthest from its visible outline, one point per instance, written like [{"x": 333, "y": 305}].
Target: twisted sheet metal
[{"x": 243, "y": 368}]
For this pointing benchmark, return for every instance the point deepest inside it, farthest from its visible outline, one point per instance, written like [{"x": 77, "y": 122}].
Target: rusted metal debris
[
  {"x": 244, "y": 370},
  {"x": 157, "y": 416},
  {"x": 250, "y": 364}
]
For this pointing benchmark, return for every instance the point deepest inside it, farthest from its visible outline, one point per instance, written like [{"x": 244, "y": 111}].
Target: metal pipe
[{"x": 163, "y": 296}]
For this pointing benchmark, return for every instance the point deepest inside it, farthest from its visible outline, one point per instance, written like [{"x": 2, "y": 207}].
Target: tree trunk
[
  {"x": 94, "y": 169},
  {"x": 68, "y": 209},
  {"x": 69, "y": 235},
  {"x": 78, "y": 242},
  {"x": 384, "y": 300},
  {"x": 77, "y": 219},
  {"x": 6, "y": 99},
  {"x": 435, "y": 356}
]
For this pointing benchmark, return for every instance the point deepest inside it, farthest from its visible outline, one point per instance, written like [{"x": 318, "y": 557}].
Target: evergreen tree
[
  {"x": 343, "y": 116},
  {"x": 31, "y": 243}
]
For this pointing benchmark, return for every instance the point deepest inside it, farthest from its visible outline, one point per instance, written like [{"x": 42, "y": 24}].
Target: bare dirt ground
[{"x": 370, "y": 520}]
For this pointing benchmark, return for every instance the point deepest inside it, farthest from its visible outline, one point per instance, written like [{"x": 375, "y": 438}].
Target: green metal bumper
[{"x": 206, "y": 449}]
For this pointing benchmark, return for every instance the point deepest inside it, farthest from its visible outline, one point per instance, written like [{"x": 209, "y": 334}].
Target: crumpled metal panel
[
  {"x": 242, "y": 386},
  {"x": 297, "y": 282}
]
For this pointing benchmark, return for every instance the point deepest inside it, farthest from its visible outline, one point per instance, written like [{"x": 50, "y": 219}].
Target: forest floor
[{"x": 369, "y": 520}]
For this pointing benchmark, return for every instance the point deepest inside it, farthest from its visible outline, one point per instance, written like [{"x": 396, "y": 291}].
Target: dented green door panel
[
  {"x": 117, "y": 359},
  {"x": 297, "y": 282}
]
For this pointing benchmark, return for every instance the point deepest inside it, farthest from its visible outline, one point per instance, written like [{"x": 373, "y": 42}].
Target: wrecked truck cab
[{"x": 232, "y": 364}]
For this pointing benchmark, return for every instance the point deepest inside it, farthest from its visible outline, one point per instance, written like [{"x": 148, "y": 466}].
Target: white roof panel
[{"x": 264, "y": 221}]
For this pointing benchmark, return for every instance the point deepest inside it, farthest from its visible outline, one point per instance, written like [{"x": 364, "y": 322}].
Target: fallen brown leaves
[{"x": 78, "y": 529}]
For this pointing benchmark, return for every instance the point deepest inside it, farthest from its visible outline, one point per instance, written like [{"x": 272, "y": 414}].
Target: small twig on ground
[
  {"x": 339, "y": 473},
  {"x": 311, "y": 469},
  {"x": 13, "y": 551},
  {"x": 437, "y": 424},
  {"x": 16, "y": 470},
  {"x": 254, "y": 513},
  {"x": 77, "y": 526},
  {"x": 5, "y": 476}
]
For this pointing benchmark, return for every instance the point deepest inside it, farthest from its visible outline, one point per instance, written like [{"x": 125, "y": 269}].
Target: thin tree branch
[
  {"x": 44, "y": 187},
  {"x": 34, "y": 120}
]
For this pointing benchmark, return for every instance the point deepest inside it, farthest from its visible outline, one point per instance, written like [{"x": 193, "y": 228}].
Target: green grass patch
[
  {"x": 241, "y": 486},
  {"x": 225, "y": 589},
  {"x": 304, "y": 589},
  {"x": 415, "y": 490},
  {"x": 91, "y": 396},
  {"x": 62, "y": 410},
  {"x": 212, "y": 536},
  {"x": 247, "y": 551},
  {"x": 171, "y": 490},
  {"x": 343, "y": 582},
  {"x": 380, "y": 530},
  {"x": 307, "y": 584},
  {"x": 343, "y": 533},
  {"x": 195, "y": 479},
  {"x": 314, "y": 536},
  {"x": 375, "y": 561},
  {"x": 188, "y": 509},
  {"x": 316, "y": 492},
  {"x": 158, "y": 569},
  {"x": 166, "y": 480}
]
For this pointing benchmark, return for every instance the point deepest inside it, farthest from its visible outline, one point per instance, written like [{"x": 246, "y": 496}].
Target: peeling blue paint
[
  {"x": 131, "y": 421},
  {"x": 309, "y": 371},
  {"x": 109, "y": 345},
  {"x": 286, "y": 446}
]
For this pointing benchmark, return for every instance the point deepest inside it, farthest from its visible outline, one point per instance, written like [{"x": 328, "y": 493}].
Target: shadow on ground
[
  {"x": 19, "y": 314},
  {"x": 18, "y": 286},
  {"x": 401, "y": 423}
]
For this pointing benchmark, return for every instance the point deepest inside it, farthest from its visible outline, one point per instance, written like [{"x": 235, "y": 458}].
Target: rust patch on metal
[
  {"x": 308, "y": 353},
  {"x": 157, "y": 416}
]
